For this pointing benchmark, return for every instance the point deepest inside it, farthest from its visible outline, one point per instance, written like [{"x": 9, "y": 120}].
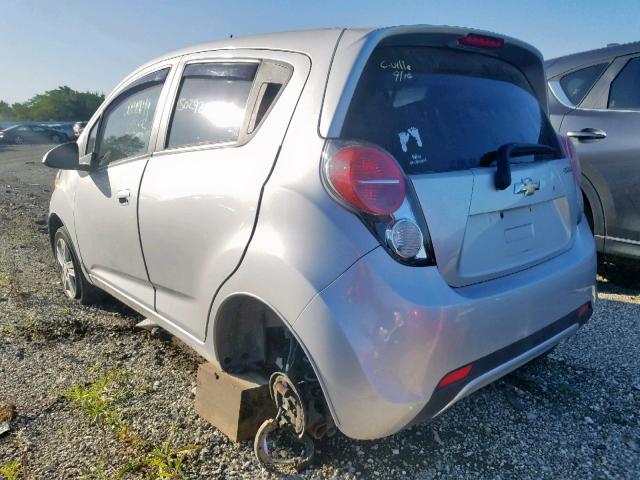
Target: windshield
[{"x": 438, "y": 109}]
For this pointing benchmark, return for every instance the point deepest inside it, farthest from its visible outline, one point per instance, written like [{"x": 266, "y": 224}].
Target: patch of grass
[
  {"x": 10, "y": 274},
  {"x": 98, "y": 400},
  {"x": 29, "y": 326},
  {"x": 100, "y": 473},
  {"x": 11, "y": 470},
  {"x": 163, "y": 461},
  {"x": 11, "y": 280}
]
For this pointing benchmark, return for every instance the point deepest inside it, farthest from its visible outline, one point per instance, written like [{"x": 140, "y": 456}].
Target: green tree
[
  {"x": 5, "y": 112},
  {"x": 63, "y": 103}
]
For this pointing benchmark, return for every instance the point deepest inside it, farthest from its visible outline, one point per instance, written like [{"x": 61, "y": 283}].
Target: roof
[
  {"x": 304, "y": 41},
  {"x": 314, "y": 41},
  {"x": 558, "y": 65}
]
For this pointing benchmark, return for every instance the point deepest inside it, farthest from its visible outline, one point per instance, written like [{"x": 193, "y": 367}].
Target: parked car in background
[
  {"x": 78, "y": 127},
  {"x": 391, "y": 267},
  {"x": 65, "y": 129},
  {"x": 595, "y": 100},
  {"x": 31, "y": 133}
]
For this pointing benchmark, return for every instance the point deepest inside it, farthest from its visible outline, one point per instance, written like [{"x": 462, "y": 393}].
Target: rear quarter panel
[{"x": 303, "y": 239}]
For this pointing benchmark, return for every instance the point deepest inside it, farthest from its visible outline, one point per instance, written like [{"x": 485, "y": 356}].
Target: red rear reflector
[
  {"x": 481, "y": 41},
  {"x": 584, "y": 310},
  {"x": 368, "y": 179},
  {"x": 455, "y": 376}
]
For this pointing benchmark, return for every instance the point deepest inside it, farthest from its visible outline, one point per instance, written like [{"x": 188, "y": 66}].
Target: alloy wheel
[{"x": 68, "y": 272}]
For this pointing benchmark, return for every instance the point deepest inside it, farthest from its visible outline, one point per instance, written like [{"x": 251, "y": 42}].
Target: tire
[
  {"x": 56, "y": 139},
  {"x": 622, "y": 273},
  {"x": 18, "y": 140},
  {"x": 74, "y": 283}
]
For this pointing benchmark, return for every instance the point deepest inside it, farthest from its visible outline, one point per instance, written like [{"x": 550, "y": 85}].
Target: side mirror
[{"x": 64, "y": 157}]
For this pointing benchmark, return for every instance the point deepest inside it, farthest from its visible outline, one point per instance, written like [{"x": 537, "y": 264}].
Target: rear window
[{"x": 437, "y": 110}]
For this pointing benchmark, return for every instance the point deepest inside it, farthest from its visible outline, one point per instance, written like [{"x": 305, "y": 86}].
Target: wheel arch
[
  {"x": 239, "y": 330},
  {"x": 54, "y": 223},
  {"x": 256, "y": 315}
]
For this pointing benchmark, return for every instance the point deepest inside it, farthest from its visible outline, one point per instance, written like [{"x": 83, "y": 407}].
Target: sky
[{"x": 92, "y": 45}]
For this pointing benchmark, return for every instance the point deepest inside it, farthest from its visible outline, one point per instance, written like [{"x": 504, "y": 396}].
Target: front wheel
[
  {"x": 18, "y": 140},
  {"x": 56, "y": 139},
  {"x": 74, "y": 283}
]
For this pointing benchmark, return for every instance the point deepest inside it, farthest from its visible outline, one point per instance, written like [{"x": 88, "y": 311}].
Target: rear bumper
[{"x": 383, "y": 335}]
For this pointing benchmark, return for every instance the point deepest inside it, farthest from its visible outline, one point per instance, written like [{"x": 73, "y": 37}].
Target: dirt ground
[{"x": 96, "y": 398}]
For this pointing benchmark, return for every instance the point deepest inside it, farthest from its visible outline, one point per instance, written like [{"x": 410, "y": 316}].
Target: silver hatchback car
[{"x": 383, "y": 217}]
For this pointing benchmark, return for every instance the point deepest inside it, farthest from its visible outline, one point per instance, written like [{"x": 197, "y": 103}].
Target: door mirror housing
[{"x": 64, "y": 157}]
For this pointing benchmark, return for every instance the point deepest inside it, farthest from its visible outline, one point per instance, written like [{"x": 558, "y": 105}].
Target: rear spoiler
[{"x": 355, "y": 47}]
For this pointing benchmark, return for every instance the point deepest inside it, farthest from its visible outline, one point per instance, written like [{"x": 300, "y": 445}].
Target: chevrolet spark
[{"x": 384, "y": 219}]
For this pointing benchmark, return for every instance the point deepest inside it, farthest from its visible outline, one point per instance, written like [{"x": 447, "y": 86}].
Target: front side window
[
  {"x": 437, "y": 110},
  {"x": 125, "y": 130},
  {"x": 625, "y": 89},
  {"x": 577, "y": 84},
  {"x": 212, "y": 103}
]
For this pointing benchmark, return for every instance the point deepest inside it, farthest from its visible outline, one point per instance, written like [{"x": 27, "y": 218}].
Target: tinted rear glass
[{"x": 438, "y": 110}]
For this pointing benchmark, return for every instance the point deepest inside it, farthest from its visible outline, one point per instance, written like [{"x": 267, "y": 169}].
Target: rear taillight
[
  {"x": 368, "y": 181},
  {"x": 367, "y": 178},
  {"x": 570, "y": 153},
  {"x": 481, "y": 41}
]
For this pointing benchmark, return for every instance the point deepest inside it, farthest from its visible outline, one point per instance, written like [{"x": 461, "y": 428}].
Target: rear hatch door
[{"x": 439, "y": 111}]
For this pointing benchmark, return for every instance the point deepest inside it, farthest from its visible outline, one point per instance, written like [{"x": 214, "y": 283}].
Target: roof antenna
[{"x": 231, "y": 36}]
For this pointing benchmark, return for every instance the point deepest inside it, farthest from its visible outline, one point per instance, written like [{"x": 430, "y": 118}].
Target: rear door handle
[
  {"x": 123, "y": 196},
  {"x": 587, "y": 134}
]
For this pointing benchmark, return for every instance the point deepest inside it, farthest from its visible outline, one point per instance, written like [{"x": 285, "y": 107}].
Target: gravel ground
[{"x": 94, "y": 396}]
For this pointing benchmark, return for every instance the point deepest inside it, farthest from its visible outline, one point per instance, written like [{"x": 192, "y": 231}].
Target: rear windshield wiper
[{"x": 508, "y": 150}]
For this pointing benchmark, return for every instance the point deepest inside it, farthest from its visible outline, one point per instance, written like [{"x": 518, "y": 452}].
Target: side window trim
[{"x": 270, "y": 73}]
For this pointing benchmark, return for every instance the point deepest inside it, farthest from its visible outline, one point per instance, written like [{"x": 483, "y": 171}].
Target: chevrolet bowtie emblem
[{"x": 526, "y": 187}]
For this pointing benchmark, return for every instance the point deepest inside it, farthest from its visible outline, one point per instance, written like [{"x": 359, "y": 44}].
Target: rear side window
[
  {"x": 437, "y": 110},
  {"x": 125, "y": 130},
  {"x": 212, "y": 103},
  {"x": 625, "y": 89},
  {"x": 577, "y": 84}
]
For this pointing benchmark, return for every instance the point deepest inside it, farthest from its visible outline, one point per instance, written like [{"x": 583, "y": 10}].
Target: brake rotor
[
  {"x": 288, "y": 402},
  {"x": 291, "y": 418}
]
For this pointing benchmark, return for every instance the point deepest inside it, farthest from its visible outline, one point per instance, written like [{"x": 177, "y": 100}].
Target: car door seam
[
  {"x": 259, "y": 205},
  {"x": 144, "y": 260}
]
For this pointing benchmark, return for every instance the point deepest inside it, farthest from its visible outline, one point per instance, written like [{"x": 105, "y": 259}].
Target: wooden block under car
[{"x": 236, "y": 404}]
